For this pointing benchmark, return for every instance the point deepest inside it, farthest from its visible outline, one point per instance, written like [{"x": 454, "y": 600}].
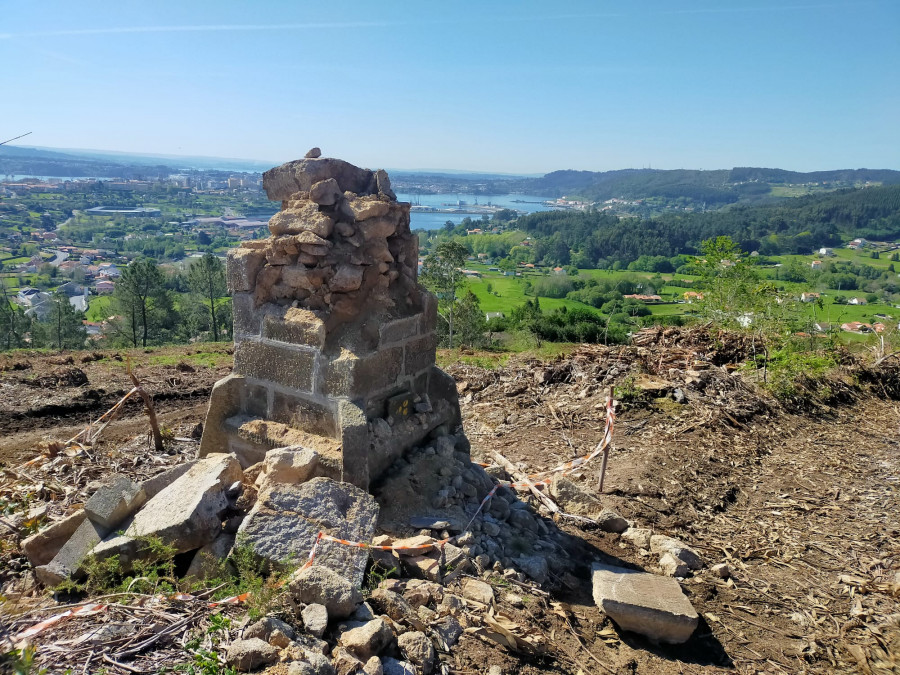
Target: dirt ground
[{"x": 801, "y": 504}]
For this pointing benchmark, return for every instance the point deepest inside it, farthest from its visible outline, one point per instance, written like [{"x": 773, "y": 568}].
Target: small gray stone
[
  {"x": 662, "y": 544},
  {"x": 394, "y": 667},
  {"x": 638, "y": 536},
  {"x": 315, "y": 619},
  {"x": 672, "y": 566},
  {"x": 313, "y": 153},
  {"x": 423, "y": 522},
  {"x": 315, "y": 664},
  {"x": 373, "y": 667},
  {"x": 448, "y": 630},
  {"x": 418, "y": 648},
  {"x": 610, "y": 521},
  {"x": 534, "y": 566},
  {"x": 247, "y": 655},
  {"x": 479, "y": 591},
  {"x": 368, "y": 640},
  {"x": 721, "y": 570},
  {"x": 266, "y": 627}
]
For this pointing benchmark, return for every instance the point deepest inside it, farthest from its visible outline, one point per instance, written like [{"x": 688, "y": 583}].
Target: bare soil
[{"x": 800, "y": 500}]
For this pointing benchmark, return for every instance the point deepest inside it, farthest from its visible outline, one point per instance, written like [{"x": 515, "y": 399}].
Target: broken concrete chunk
[
  {"x": 662, "y": 544},
  {"x": 322, "y": 586},
  {"x": 42, "y": 547},
  {"x": 115, "y": 501},
  {"x": 247, "y": 655},
  {"x": 186, "y": 515},
  {"x": 644, "y": 603},
  {"x": 285, "y": 521},
  {"x": 70, "y": 558},
  {"x": 293, "y": 464}
]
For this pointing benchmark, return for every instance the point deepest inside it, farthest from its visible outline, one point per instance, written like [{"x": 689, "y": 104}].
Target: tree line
[{"x": 148, "y": 307}]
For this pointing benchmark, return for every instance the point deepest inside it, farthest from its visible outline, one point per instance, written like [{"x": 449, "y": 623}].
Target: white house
[
  {"x": 816, "y": 264},
  {"x": 857, "y": 301},
  {"x": 825, "y": 252}
]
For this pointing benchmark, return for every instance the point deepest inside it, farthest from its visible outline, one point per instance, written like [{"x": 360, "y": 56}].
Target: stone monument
[{"x": 334, "y": 337}]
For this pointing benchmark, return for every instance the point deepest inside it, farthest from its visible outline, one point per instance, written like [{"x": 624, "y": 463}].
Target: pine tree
[{"x": 206, "y": 278}]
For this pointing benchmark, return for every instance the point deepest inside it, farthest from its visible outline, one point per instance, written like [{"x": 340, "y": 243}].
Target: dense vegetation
[{"x": 596, "y": 239}]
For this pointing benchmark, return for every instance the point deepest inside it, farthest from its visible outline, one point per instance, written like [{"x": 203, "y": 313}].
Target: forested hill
[
  {"x": 712, "y": 189},
  {"x": 797, "y": 225}
]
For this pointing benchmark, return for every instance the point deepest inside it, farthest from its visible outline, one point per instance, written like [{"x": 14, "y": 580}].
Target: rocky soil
[{"x": 791, "y": 511}]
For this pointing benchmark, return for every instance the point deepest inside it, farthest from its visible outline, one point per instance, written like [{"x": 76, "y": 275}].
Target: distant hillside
[
  {"x": 712, "y": 189},
  {"x": 798, "y": 225},
  {"x": 91, "y": 163}
]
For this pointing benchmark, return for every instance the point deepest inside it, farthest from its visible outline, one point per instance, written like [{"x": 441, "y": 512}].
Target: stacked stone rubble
[{"x": 333, "y": 334}]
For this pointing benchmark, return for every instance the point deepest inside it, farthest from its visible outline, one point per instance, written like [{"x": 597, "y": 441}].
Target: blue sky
[{"x": 523, "y": 87}]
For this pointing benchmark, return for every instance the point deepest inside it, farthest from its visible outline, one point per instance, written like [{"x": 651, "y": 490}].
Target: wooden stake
[
  {"x": 607, "y": 448},
  {"x": 154, "y": 426}
]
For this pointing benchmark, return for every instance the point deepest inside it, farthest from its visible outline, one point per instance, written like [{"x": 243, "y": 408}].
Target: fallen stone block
[
  {"x": 186, "y": 515},
  {"x": 67, "y": 563},
  {"x": 644, "y": 603},
  {"x": 662, "y": 544},
  {"x": 320, "y": 585},
  {"x": 285, "y": 521},
  {"x": 153, "y": 486},
  {"x": 114, "y": 502},
  {"x": 42, "y": 547},
  {"x": 572, "y": 498},
  {"x": 247, "y": 655}
]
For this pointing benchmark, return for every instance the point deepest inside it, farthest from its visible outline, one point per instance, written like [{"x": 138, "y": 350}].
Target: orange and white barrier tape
[
  {"x": 84, "y": 610},
  {"x": 94, "y": 608}
]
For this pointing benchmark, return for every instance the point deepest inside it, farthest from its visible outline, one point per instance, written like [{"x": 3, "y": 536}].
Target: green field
[
  {"x": 99, "y": 308},
  {"x": 507, "y": 293}
]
